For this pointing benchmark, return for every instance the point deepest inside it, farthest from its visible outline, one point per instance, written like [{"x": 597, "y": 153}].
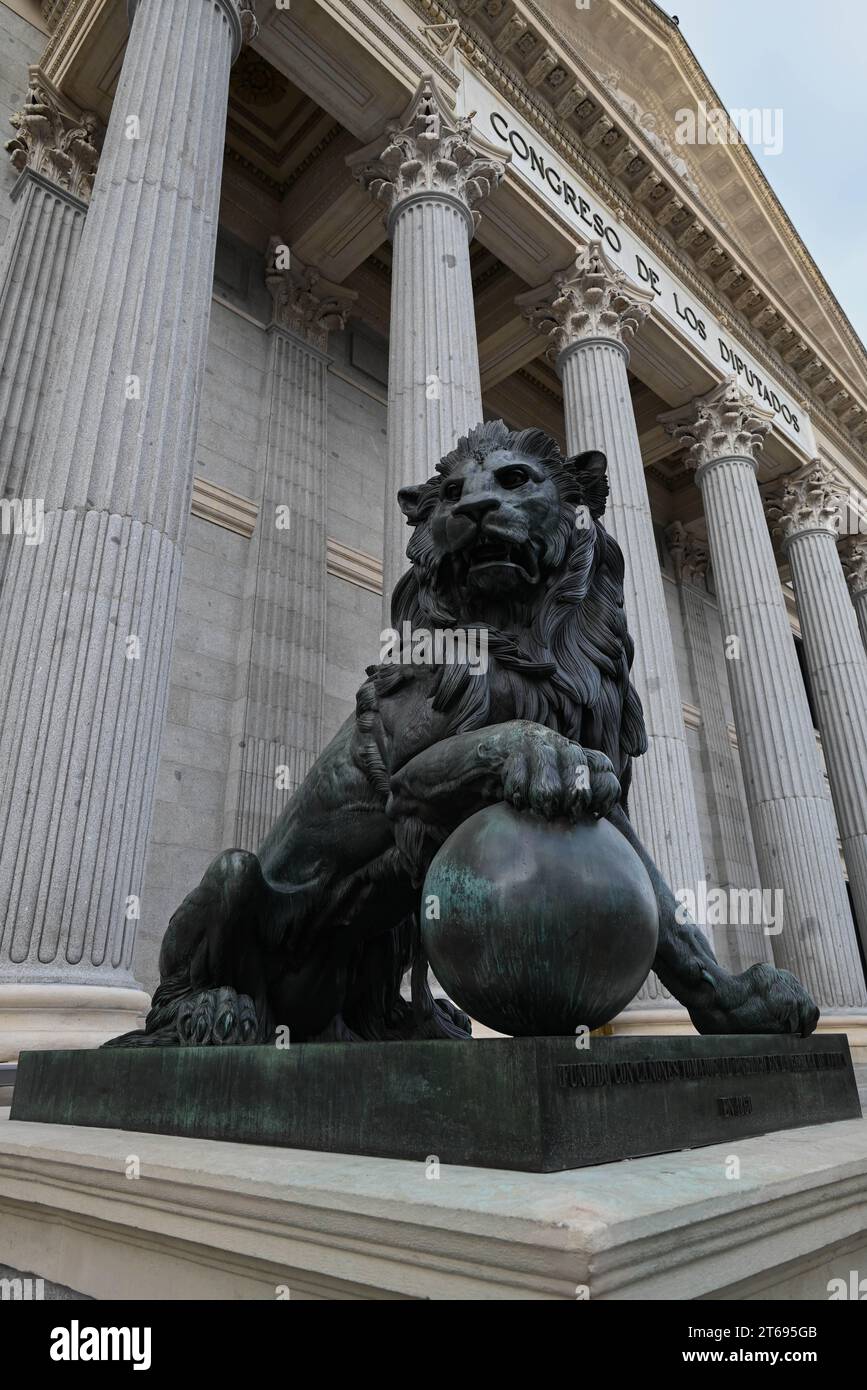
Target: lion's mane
[{"x": 567, "y": 665}]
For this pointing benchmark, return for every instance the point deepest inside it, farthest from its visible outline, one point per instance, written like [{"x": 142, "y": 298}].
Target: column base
[
  {"x": 854, "y": 1025},
  {"x": 649, "y": 1019},
  {"x": 677, "y": 1020},
  {"x": 36, "y": 1017}
]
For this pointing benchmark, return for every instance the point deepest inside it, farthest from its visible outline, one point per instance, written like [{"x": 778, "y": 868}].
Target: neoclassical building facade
[{"x": 262, "y": 264}]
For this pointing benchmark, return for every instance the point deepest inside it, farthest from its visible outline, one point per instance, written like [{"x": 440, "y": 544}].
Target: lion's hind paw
[{"x": 217, "y": 1018}]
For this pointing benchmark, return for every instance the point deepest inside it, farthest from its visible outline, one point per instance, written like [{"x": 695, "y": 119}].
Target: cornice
[
  {"x": 431, "y": 60},
  {"x": 651, "y": 13},
  {"x": 53, "y": 12},
  {"x": 507, "y": 79},
  {"x": 76, "y": 17},
  {"x": 257, "y": 175}
]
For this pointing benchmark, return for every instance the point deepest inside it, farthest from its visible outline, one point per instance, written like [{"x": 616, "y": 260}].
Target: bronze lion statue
[{"x": 316, "y": 931}]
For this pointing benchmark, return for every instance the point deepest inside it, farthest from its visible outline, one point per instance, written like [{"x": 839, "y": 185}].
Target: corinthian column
[
  {"x": 281, "y": 724},
  {"x": 429, "y": 171},
  {"x": 794, "y": 832},
  {"x": 807, "y": 517},
  {"x": 56, "y": 156},
  {"x": 739, "y": 944},
  {"x": 853, "y": 553},
  {"x": 589, "y": 313},
  {"x": 88, "y": 615}
]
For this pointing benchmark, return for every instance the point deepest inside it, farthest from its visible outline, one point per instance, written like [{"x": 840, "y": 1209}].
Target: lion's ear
[
  {"x": 417, "y": 500},
  {"x": 408, "y": 499},
  {"x": 590, "y": 471}
]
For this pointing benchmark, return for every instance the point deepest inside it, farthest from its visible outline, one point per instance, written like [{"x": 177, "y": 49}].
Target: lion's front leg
[
  {"x": 532, "y": 767},
  {"x": 762, "y": 999}
]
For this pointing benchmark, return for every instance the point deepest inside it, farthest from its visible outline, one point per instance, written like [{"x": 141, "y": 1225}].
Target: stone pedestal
[
  {"x": 88, "y": 615},
  {"x": 279, "y": 729},
  {"x": 806, "y": 515},
  {"x": 429, "y": 171},
  {"x": 538, "y": 1104},
  {"x": 794, "y": 830},
  {"x": 56, "y": 156}
]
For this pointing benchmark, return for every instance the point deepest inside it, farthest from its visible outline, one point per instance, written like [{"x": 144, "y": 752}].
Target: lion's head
[{"x": 507, "y": 537}]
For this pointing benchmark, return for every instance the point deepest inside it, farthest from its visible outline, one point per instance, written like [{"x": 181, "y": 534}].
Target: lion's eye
[
  {"x": 452, "y": 491},
  {"x": 512, "y": 477}
]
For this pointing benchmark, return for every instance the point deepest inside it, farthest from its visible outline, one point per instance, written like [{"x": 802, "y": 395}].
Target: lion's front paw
[
  {"x": 217, "y": 1018},
  {"x": 761, "y": 1000},
  {"x": 554, "y": 777}
]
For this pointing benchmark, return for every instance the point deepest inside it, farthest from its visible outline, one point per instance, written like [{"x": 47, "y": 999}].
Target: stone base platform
[
  {"x": 119, "y": 1215},
  {"x": 533, "y": 1104}
]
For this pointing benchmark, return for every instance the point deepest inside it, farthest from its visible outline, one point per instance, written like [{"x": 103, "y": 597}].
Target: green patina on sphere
[{"x": 543, "y": 926}]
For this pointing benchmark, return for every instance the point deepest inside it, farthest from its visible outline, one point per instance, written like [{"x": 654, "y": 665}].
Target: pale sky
[{"x": 810, "y": 60}]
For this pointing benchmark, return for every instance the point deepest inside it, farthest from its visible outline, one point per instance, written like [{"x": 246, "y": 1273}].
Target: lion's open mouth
[{"x": 494, "y": 553}]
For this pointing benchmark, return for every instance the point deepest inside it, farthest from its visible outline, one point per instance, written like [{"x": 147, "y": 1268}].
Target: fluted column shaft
[
  {"x": 434, "y": 391},
  {"x": 743, "y": 944},
  {"x": 792, "y": 817},
  {"x": 36, "y": 266},
  {"x": 286, "y": 674},
  {"x": 860, "y": 602},
  {"x": 837, "y": 667},
  {"x": 88, "y": 615},
  {"x": 853, "y": 553},
  {"x": 279, "y": 714},
  {"x": 429, "y": 169},
  {"x": 599, "y": 415}
]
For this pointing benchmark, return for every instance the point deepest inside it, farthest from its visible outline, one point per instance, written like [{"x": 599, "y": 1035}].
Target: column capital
[
  {"x": 590, "y": 299},
  {"x": 429, "y": 151},
  {"x": 249, "y": 22},
  {"x": 241, "y": 15},
  {"x": 50, "y": 141},
  {"x": 811, "y": 499},
  {"x": 689, "y": 553},
  {"x": 723, "y": 423},
  {"x": 303, "y": 301},
  {"x": 853, "y": 554}
]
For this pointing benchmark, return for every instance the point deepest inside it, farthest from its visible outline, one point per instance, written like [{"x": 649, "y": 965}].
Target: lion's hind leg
[
  {"x": 219, "y": 1017},
  {"x": 212, "y": 989}
]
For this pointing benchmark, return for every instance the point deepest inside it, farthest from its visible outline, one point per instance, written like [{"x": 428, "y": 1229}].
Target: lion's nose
[{"x": 476, "y": 507}]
